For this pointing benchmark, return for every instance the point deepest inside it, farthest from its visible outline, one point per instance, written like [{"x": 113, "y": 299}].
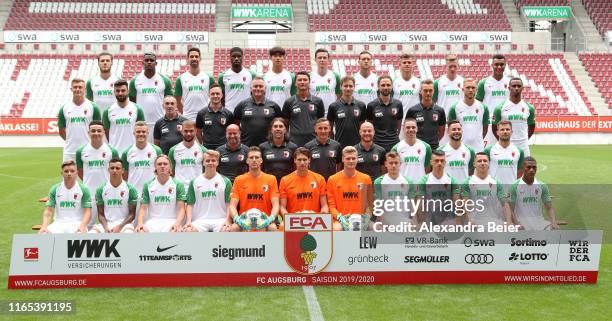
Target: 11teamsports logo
[{"x": 308, "y": 242}]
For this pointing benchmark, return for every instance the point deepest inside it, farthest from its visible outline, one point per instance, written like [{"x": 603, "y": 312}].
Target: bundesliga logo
[{"x": 30, "y": 254}]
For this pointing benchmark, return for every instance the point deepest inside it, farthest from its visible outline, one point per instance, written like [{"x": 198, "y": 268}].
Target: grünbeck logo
[
  {"x": 528, "y": 256},
  {"x": 527, "y": 242},
  {"x": 479, "y": 258}
]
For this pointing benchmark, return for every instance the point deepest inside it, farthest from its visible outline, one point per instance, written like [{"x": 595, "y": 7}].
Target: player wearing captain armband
[
  {"x": 349, "y": 194},
  {"x": 254, "y": 203},
  {"x": 71, "y": 201},
  {"x": 116, "y": 201},
  {"x": 393, "y": 186},
  {"x": 163, "y": 201},
  {"x": 208, "y": 198}
]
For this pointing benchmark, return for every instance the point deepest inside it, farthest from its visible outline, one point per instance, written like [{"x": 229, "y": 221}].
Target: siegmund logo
[
  {"x": 166, "y": 257},
  {"x": 238, "y": 252},
  {"x": 92, "y": 254}
]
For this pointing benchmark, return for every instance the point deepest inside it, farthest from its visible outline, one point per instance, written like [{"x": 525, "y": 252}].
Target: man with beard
[
  {"x": 365, "y": 80},
  {"x": 100, "y": 88},
  {"x": 277, "y": 151},
  {"x": 520, "y": 113},
  {"x": 212, "y": 121},
  {"x": 473, "y": 116},
  {"x": 325, "y": 151},
  {"x": 167, "y": 130},
  {"x": 370, "y": 157},
  {"x": 346, "y": 114},
  {"x": 233, "y": 154},
  {"x": 236, "y": 81},
  {"x": 120, "y": 118},
  {"x": 191, "y": 88},
  {"x": 186, "y": 157},
  {"x": 255, "y": 114},
  {"x": 506, "y": 158},
  {"x": 302, "y": 110},
  {"x": 493, "y": 91},
  {"x": 386, "y": 114},
  {"x": 459, "y": 156}
]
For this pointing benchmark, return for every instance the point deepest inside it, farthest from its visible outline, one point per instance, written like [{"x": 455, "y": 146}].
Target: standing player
[
  {"x": 255, "y": 114},
  {"x": 277, "y": 151},
  {"x": 527, "y": 195},
  {"x": 302, "y": 110},
  {"x": 406, "y": 87},
  {"x": 280, "y": 83},
  {"x": 163, "y": 201},
  {"x": 233, "y": 154},
  {"x": 415, "y": 154},
  {"x": 186, "y": 157},
  {"x": 438, "y": 185},
  {"x": 386, "y": 114},
  {"x": 116, "y": 202},
  {"x": 326, "y": 152},
  {"x": 212, "y": 121},
  {"x": 167, "y": 130},
  {"x": 100, "y": 88},
  {"x": 370, "y": 157},
  {"x": 120, "y": 118},
  {"x": 255, "y": 190},
  {"x": 506, "y": 158},
  {"x": 429, "y": 116},
  {"x": 191, "y": 88},
  {"x": 346, "y": 114},
  {"x": 236, "y": 81},
  {"x": 324, "y": 82},
  {"x": 493, "y": 91},
  {"x": 473, "y": 116},
  {"x": 447, "y": 88},
  {"x": 365, "y": 80},
  {"x": 148, "y": 88},
  {"x": 74, "y": 117},
  {"x": 139, "y": 159},
  {"x": 72, "y": 204},
  {"x": 208, "y": 199},
  {"x": 349, "y": 190},
  {"x": 520, "y": 113},
  {"x": 393, "y": 185},
  {"x": 92, "y": 161},
  {"x": 459, "y": 156}
]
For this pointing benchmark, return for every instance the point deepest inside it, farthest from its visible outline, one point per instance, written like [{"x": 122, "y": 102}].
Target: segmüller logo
[
  {"x": 308, "y": 242},
  {"x": 30, "y": 254},
  {"x": 479, "y": 258}
]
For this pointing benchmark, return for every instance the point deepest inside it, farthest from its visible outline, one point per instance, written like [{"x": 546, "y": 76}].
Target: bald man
[{"x": 370, "y": 157}]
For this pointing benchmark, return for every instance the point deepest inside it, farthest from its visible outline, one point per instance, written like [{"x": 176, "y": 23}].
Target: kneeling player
[
  {"x": 116, "y": 200},
  {"x": 163, "y": 201},
  {"x": 71, "y": 201},
  {"x": 526, "y": 197},
  {"x": 208, "y": 198}
]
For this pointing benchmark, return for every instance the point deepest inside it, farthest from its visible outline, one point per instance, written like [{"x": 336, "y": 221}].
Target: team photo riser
[{"x": 240, "y": 152}]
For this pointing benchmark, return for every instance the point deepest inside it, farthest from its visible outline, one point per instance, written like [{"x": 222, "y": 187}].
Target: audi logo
[{"x": 479, "y": 258}]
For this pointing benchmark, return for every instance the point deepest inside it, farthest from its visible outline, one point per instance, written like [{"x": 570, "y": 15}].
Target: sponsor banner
[
  {"x": 547, "y": 13},
  {"x": 312, "y": 254},
  {"x": 28, "y": 126},
  {"x": 262, "y": 13},
  {"x": 569, "y": 124},
  {"x": 75, "y": 36},
  {"x": 609, "y": 36},
  {"x": 412, "y": 37}
]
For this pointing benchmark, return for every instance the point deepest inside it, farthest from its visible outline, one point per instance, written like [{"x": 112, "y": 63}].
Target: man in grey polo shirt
[
  {"x": 430, "y": 117},
  {"x": 302, "y": 110},
  {"x": 255, "y": 114},
  {"x": 167, "y": 130}
]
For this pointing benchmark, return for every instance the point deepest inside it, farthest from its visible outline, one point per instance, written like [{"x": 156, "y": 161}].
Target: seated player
[
  {"x": 71, "y": 201},
  {"x": 163, "y": 201},
  {"x": 254, "y": 191},
  {"x": 116, "y": 200},
  {"x": 393, "y": 185},
  {"x": 527, "y": 195},
  {"x": 208, "y": 199},
  {"x": 349, "y": 193}
]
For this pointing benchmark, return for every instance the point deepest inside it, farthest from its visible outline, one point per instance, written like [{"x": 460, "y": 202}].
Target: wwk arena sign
[{"x": 413, "y": 37}]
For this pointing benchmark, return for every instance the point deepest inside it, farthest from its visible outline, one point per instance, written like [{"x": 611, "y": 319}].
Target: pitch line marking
[{"x": 313, "y": 304}]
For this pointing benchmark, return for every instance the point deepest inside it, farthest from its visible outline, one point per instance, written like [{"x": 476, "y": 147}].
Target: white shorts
[
  {"x": 63, "y": 227},
  {"x": 69, "y": 156},
  {"x": 127, "y": 228},
  {"x": 523, "y": 145},
  {"x": 208, "y": 224},
  {"x": 536, "y": 224},
  {"x": 159, "y": 224}
]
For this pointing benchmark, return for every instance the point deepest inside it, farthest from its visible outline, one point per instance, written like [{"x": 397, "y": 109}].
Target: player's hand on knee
[
  {"x": 272, "y": 227},
  {"x": 43, "y": 230},
  {"x": 82, "y": 229},
  {"x": 115, "y": 229},
  {"x": 141, "y": 229},
  {"x": 175, "y": 228}
]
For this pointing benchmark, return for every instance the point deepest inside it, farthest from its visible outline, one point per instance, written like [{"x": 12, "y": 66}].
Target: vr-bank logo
[
  {"x": 308, "y": 240},
  {"x": 479, "y": 258}
]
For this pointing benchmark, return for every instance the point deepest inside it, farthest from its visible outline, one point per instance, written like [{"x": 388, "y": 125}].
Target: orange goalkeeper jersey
[
  {"x": 348, "y": 195},
  {"x": 302, "y": 193},
  {"x": 255, "y": 192}
]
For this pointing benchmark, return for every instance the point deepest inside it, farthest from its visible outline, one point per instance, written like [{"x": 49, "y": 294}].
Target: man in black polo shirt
[
  {"x": 233, "y": 154},
  {"x": 302, "y": 110},
  {"x": 326, "y": 152},
  {"x": 277, "y": 151},
  {"x": 386, "y": 114},
  {"x": 346, "y": 114},
  {"x": 255, "y": 114},
  {"x": 430, "y": 117},
  {"x": 370, "y": 157},
  {"x": 212, "y": 121},
  {"x": 167, "y": 130}
]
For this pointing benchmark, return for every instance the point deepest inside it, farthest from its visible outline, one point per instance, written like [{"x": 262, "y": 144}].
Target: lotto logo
[{"x": 30, "y": 254}]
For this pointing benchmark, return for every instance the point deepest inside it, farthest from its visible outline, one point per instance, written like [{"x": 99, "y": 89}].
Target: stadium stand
[
  {"x": 140, "y": 15},
  {"x": 600, "y": 70},
  {"x": 400, "y": 15},
  {"x": 261, "y": 2},
  {"x": 600, "y": 12},
  {"x": 297, "y": 59},
  {"x": 520, "y": 3}
]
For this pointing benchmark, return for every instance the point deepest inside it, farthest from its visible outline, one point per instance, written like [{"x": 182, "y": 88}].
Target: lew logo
[{"x": 308, "y": 242}]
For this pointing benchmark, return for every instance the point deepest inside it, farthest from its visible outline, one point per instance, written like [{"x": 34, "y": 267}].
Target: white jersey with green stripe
[
  {"x": 149, "y": 93},
  {"x": 448, "y": 92},
  {"x": 326, "y": 87},
  {"x": 75, "y": 119},
  {"x": 472, "y": 118},
  {"x": 521, "y": 115},
  {"x": 489, "y": 192},
  {"x": 209, "y": 197},
  {"x": 528, "y": 199},
  {"x": 69, "y": 202},
  {"x": 387, "y": 188},
  {"x": 493, "y": 92},
  {"x": 120, "y": 123},
  {"x": 366, "y": 89},
  {"x": 186, "y": 161},
  {"x": 504, "y": 162},
  {"x": 194, "y": 91},
  {"x": 279, "y": 86},
  {"x": 94, "y": 163},
  {"x": 140, "y": 164},
  {"x": 407, "y": 91},
  {"x": 443, "y": 189},
  {"x": 459, "y": 161},
  {"x": 236, "y": 86},
  {"x": 101, "y": 91},
  {"x": 116, "y": 200},
  {"x": 413, "y": 158},
  {"x": 162, "y": 199}
]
